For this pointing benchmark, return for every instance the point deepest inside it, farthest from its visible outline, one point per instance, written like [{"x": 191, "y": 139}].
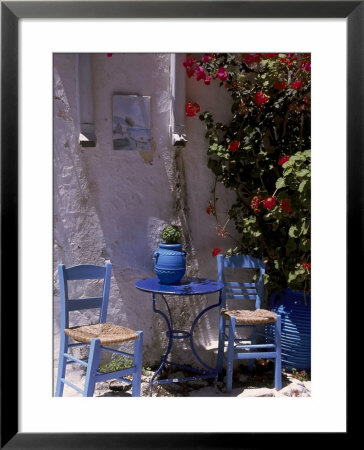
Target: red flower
[
  {"x": 210, "y": 208},
  {"x": 296, "y": 84},
  {"x": 306, "y": 265},
  {"x": 108, "y": 55},
  {"x": 233, "y": 146},
  {"x": 284, "y": 159},
  {"x": 285, "y": 205},
  {"x": 269, "y": 202},
  {"x": 280, "y": 85},
  {"x": 288, "y": 61},
  {"x": 216, "y": 251},
  {"x": 252, "y": 58},
  {"x": 192, "y": 109},
  {"x": 222, "y": 74},
  {"x": 254, "y": 204},
  {"x": 243, "y": 109},
  {"x": 261, "y": 98},
  {"x": 271, "y": 55}
]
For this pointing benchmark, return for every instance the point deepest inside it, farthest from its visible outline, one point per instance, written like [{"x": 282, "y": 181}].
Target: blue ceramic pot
[
  {"x": 296, "y": 327},
  {"x": 170, "y": 263}
]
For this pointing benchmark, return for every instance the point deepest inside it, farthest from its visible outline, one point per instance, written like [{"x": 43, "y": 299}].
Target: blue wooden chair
[
  {"x": 96, "y": 336},
  {"x": 232, "y": 319}
]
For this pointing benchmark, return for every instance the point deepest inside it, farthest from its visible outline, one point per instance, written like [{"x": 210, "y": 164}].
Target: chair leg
[
  {"x": 92, "y": 366},
  {"x": 278, "y": 359},
  {"x": 62, "y": 364},
  {"x": 220, "y": 350},
  {"x": 253, "y": 341},
  {"x": 138, "y": 357},
  {"x": 230, "y": 355}
]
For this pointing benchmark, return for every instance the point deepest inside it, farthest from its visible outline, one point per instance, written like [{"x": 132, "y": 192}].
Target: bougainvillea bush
[{"x": 263, "y": 155}]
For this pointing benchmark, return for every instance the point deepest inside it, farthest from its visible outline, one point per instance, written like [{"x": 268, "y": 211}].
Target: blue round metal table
[{"x": 186, "y": 287}]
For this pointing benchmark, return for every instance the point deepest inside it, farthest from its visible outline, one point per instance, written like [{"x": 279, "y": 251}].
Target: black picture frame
[{"x": 11, "y": 12}]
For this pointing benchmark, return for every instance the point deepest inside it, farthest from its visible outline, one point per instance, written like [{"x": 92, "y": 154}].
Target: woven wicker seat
[
  {"x": 247, "y": 317},
  {"x": 106, "y": 332},
  {"x": 244, "y": 330},
  {"x": 92, "y": 339}
]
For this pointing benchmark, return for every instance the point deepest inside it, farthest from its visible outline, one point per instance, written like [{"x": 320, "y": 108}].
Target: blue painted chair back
[
  {"x": 235, "y": 290},
  {"x": 83, "y": 272}
]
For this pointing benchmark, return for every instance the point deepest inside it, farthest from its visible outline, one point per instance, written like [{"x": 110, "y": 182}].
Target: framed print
[
  {"x": 341, "y": 200},
  {"x": 131, "y": 122}
]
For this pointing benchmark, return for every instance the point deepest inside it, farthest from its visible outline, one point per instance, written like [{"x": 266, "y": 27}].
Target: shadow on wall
[{"x": 111, "y": 204}]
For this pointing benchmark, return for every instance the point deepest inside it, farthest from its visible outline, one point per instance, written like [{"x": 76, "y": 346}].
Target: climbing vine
[{"x": 263, "y": 155}]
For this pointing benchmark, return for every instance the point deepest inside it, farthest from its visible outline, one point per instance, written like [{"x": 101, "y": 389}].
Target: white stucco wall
[{"x": 112, "y": 205}]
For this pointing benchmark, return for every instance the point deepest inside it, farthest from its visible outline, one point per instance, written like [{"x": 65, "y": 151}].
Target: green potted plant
[
  {"x": 263, "y": 155},
  {"x": 170, "y": 259}
]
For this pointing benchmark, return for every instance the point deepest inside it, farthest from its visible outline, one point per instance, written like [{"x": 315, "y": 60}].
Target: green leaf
[
  {"x": 280, "y": 183},
  {"x": 302, "y": 173},
  {"x": 292, "y": 276},
  {"x": 293, "y": 231},
  {"x": 302, "y": 185},
  {"x": 304, "y": 226}
]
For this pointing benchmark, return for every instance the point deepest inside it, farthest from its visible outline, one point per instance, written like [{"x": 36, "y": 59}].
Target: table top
[{"x": 187, "y": 286}]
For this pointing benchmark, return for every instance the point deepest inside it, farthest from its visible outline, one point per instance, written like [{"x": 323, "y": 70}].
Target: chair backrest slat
[
  {"x": 84, "y": 272},
  {"x": 236, "y": 290},
  {"x": 240, "y": 297},
  {"x": 239, "y": 284},
  {"x": 240, "y": 291},
  {"x": 243, "y": 261},
  {"x": 84, "y": 303}
]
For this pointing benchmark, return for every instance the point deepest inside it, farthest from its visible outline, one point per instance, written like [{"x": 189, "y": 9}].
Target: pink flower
[
  {"x": 261, "y": 98},
  {"x": 216, "y": 251},
  {"x": 233, "y": 146},
  {"x": 206, "y": 58},
  {"x": 207, "y": 79},
  {"x": 221, "y": 231},
  {"x": 189, "y": 65},
  {"x": 306, "y": 65},
  {"x": 296, "y": 84},
  {"x": 269, "y": 202},
  {"x": 284, "y": 159},
  {"x": 222, "y": 74},
  {"x": 200, "y": 73},
  {"x": 189, "y": 62},
  {"x": 108, "y": 55},
  {"x": 192, "y": 109}
]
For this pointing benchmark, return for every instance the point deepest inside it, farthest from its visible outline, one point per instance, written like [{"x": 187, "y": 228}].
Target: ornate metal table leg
[
  {"x": 170, "y": 338},
  {"x": 211, "y": 369}
]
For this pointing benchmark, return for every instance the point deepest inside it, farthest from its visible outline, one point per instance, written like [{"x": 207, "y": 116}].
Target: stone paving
[{"x": 258, "y": 383}]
